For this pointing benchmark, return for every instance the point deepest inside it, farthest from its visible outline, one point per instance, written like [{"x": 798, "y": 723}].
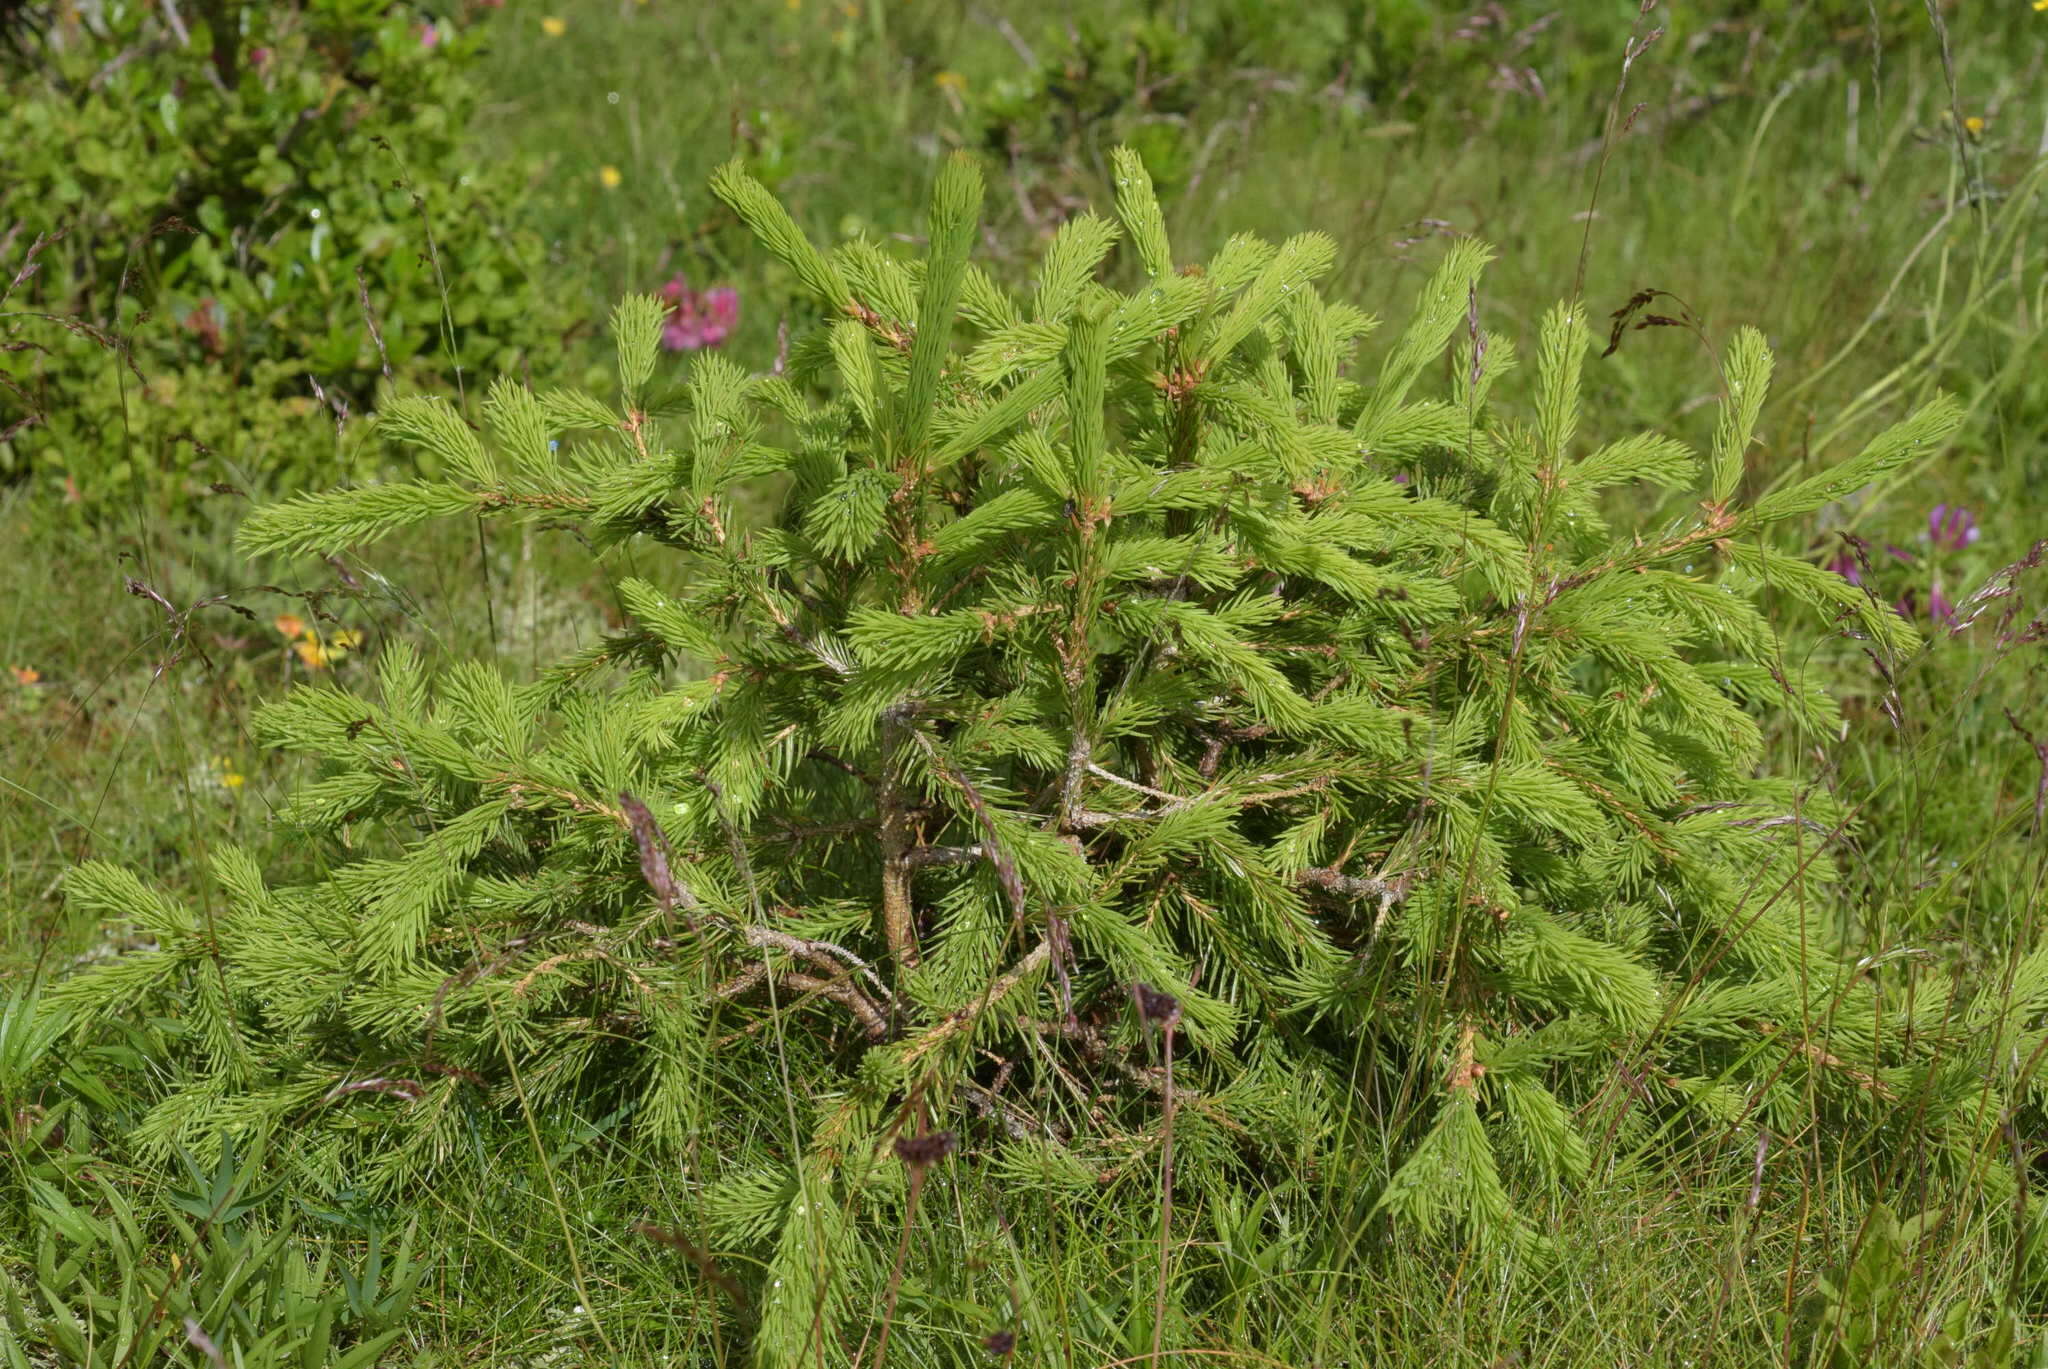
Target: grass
[{"x": 1815, "y": 187}]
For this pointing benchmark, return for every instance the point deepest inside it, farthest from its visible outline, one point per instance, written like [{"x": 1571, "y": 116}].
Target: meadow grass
[{"x": 1844, "y": 225}]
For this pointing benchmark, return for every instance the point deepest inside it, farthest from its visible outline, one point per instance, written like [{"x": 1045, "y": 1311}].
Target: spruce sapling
[{"x": 1012, "y": 652}]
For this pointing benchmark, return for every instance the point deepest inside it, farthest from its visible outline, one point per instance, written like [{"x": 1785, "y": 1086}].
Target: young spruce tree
[{"x": 1012, "y": 656}]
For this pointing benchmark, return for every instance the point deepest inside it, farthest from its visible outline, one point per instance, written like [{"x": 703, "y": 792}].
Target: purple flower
[
  {"x": 1951, "y": 526},
  {"x": 698, "y": 318},
  {"x": 1938, "y": 607},
  {"x": 1846, "y": 567}
]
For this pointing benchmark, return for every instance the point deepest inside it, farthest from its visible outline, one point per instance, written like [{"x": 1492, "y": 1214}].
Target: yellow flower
[
  {"x": 224, "y": 771},
  {"x": 318, "y": 655},
  {"x": 1974, "y": 124},
  {"x": 951, "y": 81},
  {"x": 2041, "y": 6},
  {"x": 553, "y": 27},
  {"x": 609, "y": 177}
]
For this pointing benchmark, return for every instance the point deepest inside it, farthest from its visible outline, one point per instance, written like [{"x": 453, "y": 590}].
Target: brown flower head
[
  {"x": 1158, "y": 1007},
  {"x": 921, "y": 1152}
]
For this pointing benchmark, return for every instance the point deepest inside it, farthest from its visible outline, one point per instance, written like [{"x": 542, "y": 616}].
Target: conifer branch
[{"x": 1000, "y": 988}]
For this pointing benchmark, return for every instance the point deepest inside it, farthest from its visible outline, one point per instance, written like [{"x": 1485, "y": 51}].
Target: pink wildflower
[
  {"x": 258, "y": 56},
  {"x": 430, "y": 35},
  {"x": 698, "y": 318}
]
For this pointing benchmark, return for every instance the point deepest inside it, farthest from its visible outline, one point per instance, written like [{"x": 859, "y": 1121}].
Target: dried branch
[
  {"x": 828, "y": 956},
  {"x": 844, "y": 994},
  {"x": 838, "y": 990},
  {"x": 1147, "y": 789},
  {"x": 1355, "y": 886},
  {"x": 921, "y": 856}
]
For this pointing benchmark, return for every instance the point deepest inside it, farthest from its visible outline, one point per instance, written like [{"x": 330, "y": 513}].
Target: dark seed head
[
  {"x": 1002, "y": 1343},
  {"x": 1156, "y": 1006},
  {"x": 654, "y": 866},
  {"x": 921, "y": 1152}
]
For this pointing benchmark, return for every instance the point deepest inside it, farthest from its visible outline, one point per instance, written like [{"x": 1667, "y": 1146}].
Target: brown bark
[{"x": 899, "y": 838}]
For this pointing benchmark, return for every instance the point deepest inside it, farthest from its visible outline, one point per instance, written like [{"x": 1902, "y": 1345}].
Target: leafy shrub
[
  {"x": 1154, "y": 83},
  {"x": 1125, "y": 732},
  {"x": 209, "y": 211}
]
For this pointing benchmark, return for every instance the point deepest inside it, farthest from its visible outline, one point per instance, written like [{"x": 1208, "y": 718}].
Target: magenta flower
[
  {"x": 698, "y": 318},
  {"x": 430, "y": 35},
  {"x": 1845, "y": 566},
  {"x": 1951, "y": 526}
]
